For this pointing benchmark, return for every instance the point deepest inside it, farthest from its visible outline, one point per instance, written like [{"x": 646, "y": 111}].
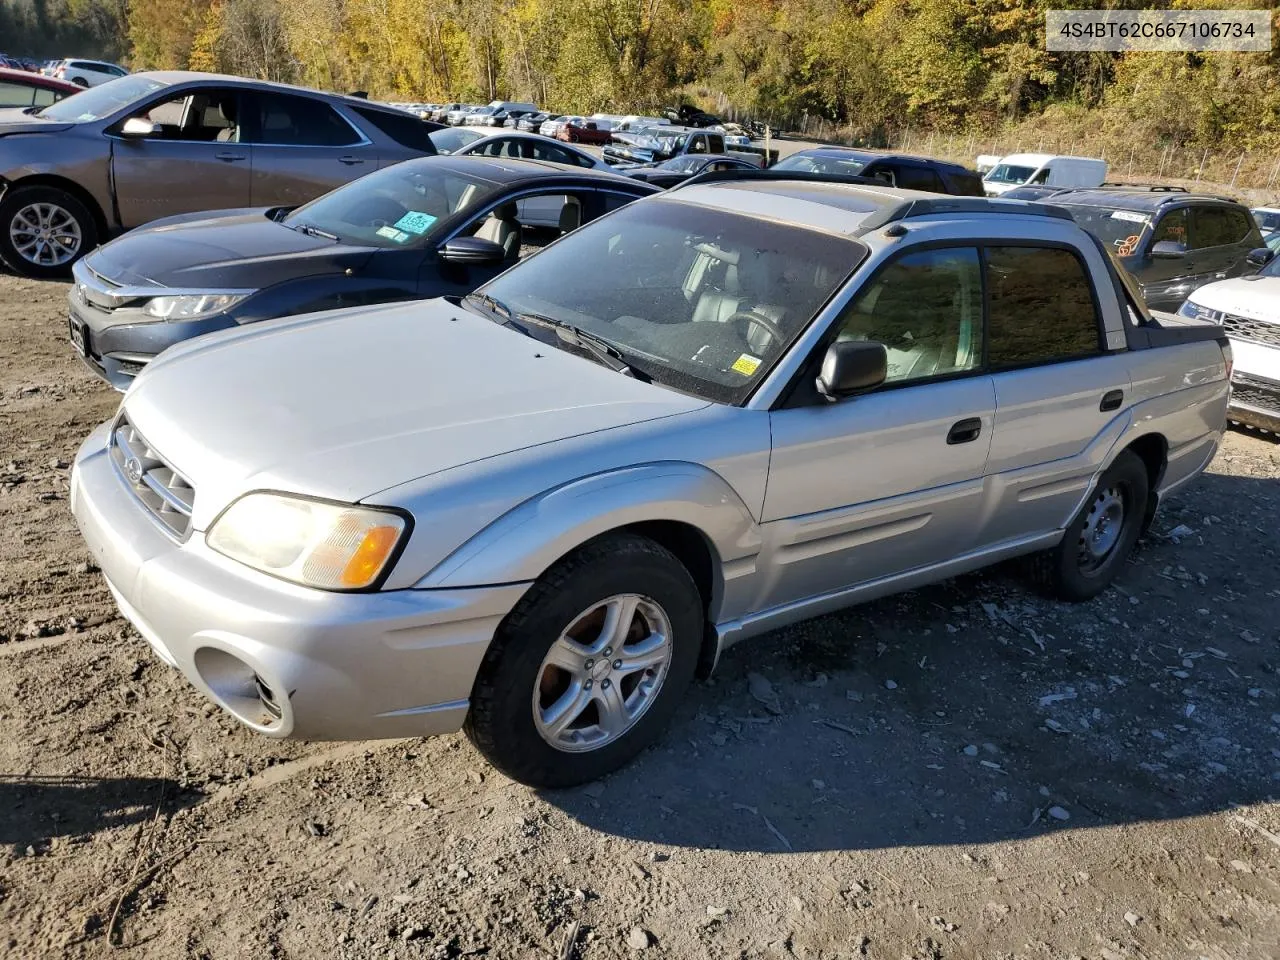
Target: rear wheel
[
  {"x": 43, "y": 231},
  {"x": 1102, "y": 535},
  {"x": 589, "y": 667}
]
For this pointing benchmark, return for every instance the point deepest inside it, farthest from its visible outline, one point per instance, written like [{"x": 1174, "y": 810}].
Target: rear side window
[
  {"x": 1041, "y": 307},
  {"x": 407, "y": 130},
  {"x": 280, "y": 119},
  {"x": 1217, "y": 226},
  {"x": 911, "y": 177}
]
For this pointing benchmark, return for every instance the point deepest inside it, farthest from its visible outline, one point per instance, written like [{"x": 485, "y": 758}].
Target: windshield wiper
[
  {"x": 311, "y": 231},
  {"x": 492, "y": 304},
  {"x": 599, "y": 348}
]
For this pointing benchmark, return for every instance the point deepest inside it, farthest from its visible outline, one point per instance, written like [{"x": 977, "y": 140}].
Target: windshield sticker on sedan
[
  {"x": 746, "y": 364},
  {"x": 415, "y": 222},
  {"x": 391, "y": 233},
  {"x": 1130, "y": 216}
]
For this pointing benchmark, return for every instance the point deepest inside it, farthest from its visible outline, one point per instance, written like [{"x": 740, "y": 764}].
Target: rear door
[
  {"x": 890, "y": 480},
  {"x": 1219, "y": 240},
  {"x": 302, "y": 147},
  {"x": 195, "y": 160},
  {"x": 1056, "y": 391}
]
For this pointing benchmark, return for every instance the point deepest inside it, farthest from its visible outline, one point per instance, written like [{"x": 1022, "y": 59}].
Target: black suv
[
  {"x": 1171, "y": 241},
  {"x": 894, "y": 169}
]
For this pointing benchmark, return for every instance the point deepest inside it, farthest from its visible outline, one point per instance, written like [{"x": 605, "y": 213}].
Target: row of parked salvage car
[{"x": 603, "y": 433}]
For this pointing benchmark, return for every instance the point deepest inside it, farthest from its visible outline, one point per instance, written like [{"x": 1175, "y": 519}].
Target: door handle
[
  {"x": 1111, "y": 400},
  {"x": 229, "y": 157},
  {"x": 964, "y": 431},
  {"x": 351, "y": 161}
]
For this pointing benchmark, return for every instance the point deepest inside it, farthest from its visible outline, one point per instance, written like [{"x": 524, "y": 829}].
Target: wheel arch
[
  {"x": 1153, "y": 450},
  {"x": 68, "y": 186}
]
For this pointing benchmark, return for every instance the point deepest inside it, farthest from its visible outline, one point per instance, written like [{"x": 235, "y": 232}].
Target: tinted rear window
[
  {"x": 1041, "y": 307},
  {"x": 407, "y": 130},
  {"x": 280, "y": 119}
]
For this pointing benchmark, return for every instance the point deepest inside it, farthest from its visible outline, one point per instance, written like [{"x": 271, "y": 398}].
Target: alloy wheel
[
  {"x": 45, "y": 234},
  {"x": 602, "y": 673}
]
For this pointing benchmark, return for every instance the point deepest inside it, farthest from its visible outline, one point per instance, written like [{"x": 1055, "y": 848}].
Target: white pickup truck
[
  {"x": 539, "y": 511},
  {"x": 1248, "y": 308}
]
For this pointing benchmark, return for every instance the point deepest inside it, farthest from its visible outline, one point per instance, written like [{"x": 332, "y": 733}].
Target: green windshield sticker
[
  {"x": 415, "y": 222},
  {"x": 391, "y": 233}
]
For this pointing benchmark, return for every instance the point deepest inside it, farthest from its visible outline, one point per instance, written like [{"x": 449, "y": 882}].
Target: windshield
[
  {"x": 849, "y": 166},
  {"x": 395, "y": 207},
  {"x": 453, "y": 139},
  {"x": 1119, "y": 230},
  {"x": 1005, "y": 173},
  {"x": 702, "y": 300},
  {"x": 101, "y": 101}
]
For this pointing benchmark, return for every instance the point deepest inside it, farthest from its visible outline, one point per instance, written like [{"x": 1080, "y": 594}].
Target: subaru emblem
[{"x": 133, "y": 469}]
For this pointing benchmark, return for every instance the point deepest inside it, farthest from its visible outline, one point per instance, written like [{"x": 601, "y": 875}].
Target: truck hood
[
  {"x": 227, "y": 249},
  {"x": 348, "y": 403},
  {"x": 1257, "y": 298}
]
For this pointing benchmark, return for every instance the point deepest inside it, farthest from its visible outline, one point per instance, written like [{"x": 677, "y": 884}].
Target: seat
[
  {"x": 570, "y": 215},
  {"x": 224, "y": 114},
  {"x": 503, "y": 228}
]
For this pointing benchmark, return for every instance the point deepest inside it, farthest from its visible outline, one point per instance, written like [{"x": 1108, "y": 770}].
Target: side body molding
[{"x": 528, "y": 539}]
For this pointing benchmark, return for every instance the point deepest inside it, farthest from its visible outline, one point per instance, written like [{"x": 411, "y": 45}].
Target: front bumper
[
  {"x": 1255, "y": 402},
  {"x": 285, "y": 660},
  {"x": 117, "y": 350}
]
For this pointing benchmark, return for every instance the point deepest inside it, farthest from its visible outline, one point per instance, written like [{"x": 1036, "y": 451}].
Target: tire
[
  {"x": 34, "y": 206},
  {"x": 80, "y": 81},
  {"x": 563, "y": 615},
  {"x": 1102, "y": 535}
]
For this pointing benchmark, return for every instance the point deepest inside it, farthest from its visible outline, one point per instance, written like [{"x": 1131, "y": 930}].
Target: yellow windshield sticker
[{"x": 746, "y": 364}]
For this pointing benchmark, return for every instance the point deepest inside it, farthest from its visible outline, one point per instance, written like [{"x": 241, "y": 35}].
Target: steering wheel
[{"x": 759, "y": 320}]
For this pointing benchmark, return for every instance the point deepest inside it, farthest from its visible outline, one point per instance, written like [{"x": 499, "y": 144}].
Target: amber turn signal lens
[{"x": 365, "y": 564}]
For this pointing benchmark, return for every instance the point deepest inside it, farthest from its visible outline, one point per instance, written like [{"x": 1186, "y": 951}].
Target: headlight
[
  {"x": 326, "y": 545},
  {"x": 1193, "y": 311},
  {"x": 193, "y": 305}
]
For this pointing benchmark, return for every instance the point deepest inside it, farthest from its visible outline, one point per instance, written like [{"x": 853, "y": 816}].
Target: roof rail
[
  {"x": 934, "y": 206},
  {"x": 1149, "y": 187}
]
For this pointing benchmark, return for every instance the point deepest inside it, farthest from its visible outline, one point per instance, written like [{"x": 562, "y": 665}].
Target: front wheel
[
  {"x": 43, "y": 231},
  {"x": 1101, "y": 536},
  {"x": 589, "y": 667}
]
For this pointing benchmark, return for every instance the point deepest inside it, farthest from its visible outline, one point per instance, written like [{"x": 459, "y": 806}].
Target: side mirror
[
  {"x": 1168, "y": 250},
  {"x": 139, "y": 127},
  {"x": 473, "y": 251},
  {"x": 851, "y": 366},
  {"x": 1259, "y": 256}
]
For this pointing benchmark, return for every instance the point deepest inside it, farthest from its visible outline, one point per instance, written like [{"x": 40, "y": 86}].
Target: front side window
[
  {"x": 101, "y": 101},
  {"x": 849, "y": 165},
  {"x": 397, "y": 206},
  {"x": 1173, "y": 228},
  {"x": 1216, "y": 227},
  {"x": 205, "y": 116},
  {"x": 282, "y": 120},
  {"x": 1041, "y": 307},
  {"x": 703, "y": 300},
  {"x": 926, "y": 308},
  {"x": 1009, "y": 173}
]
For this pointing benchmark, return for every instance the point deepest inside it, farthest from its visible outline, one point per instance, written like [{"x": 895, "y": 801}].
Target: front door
[
  {"x": 194, "y": 160},
  {"x": 1167, "y": 281},
  {"x": 891, "y": 480}
]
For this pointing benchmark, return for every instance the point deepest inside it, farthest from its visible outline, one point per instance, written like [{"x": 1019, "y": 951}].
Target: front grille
[
  {"x": 167, "y": 494},
  {"x": 1255, "y": 392},
  {"x": 1255, "y": 331}
]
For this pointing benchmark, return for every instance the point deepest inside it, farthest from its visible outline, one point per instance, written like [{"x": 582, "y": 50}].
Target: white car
[
  {"x": 1249, "y": 309},
  {"x": 1268, "y": 219},
  {"x": 88, "y": 73}
]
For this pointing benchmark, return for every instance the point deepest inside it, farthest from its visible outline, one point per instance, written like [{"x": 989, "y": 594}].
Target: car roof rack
[
  {"x": 1139, "y": 187},
  {"x": 902, "y": 210}
]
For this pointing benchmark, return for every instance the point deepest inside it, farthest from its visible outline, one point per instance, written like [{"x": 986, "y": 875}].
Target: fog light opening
[{"x": 239, "y": 689}]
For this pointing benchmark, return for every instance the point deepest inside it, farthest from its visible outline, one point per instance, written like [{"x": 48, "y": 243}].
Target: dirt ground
[{"x": 966, "y": 771}]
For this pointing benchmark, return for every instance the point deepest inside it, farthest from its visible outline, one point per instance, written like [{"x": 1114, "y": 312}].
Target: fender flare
[{"x": 523, "y": 543}]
